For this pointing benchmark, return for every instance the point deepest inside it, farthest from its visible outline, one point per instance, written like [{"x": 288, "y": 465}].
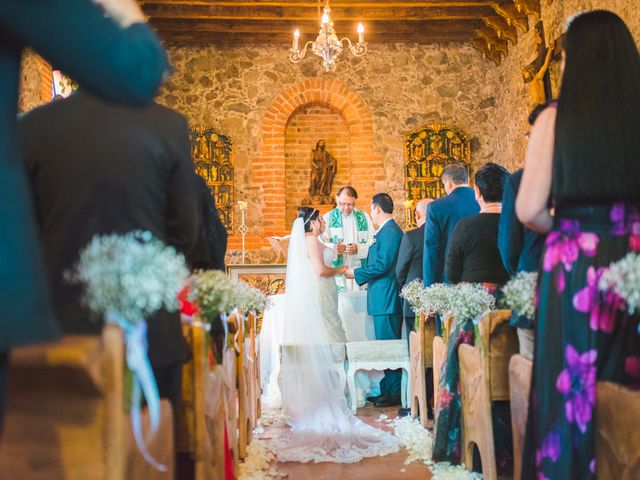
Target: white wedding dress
[
  {"x": 328, "y": 294},
  {"x": 323, "y": 429}
]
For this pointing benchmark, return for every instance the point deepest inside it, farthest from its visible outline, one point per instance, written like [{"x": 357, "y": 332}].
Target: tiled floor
[{"x": 378, "y": 468}]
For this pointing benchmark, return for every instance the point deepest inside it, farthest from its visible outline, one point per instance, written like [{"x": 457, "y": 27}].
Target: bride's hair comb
[{"x": 309, "y": 217}]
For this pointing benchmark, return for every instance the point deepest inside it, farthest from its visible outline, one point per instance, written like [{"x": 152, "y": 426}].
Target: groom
[{"x": 383, "y": 303}]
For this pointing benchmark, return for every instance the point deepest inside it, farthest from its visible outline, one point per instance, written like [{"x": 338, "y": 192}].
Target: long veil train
[{"x": 323, "y": 429}]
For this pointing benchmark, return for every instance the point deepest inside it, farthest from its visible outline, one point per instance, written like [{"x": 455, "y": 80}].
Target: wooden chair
[
  {"x": 65, "y": 416},
  {"x": 484, "y": 377},
  {"x": 617, "y": 433},
  {"x": 160, "y": 446},
  {"x": 520, "y": 368},
  {"x": 421, "y": 354},
  {"x": 439, "y": 354},
  {"x": 230, "y": 377},
  {"x": 244, "y": 374}
]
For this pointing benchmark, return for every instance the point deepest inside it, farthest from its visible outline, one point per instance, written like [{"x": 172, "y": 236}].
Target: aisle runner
[{"x": 260, "y": 463}]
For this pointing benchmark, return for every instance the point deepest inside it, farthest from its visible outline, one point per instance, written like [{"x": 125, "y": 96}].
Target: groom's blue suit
[{"x": 383, "y": 302}]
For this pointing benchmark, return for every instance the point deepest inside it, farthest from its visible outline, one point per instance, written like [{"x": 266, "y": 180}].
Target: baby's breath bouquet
[
  {"x": 129, "y": 276},
  {"x": 519, "y": 294},
  {"x": 622, "y": 278},
  {"x": 214, "y": 293},
  {"x": 470, "y": 300},
  {"x": 252, "y": 299},
  {"x": 412, "y": 293},
  {"x": 437, "y": 298}
]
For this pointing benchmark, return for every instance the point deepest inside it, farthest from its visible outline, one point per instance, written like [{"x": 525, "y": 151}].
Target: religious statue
[{"x": 323, "y": 171}]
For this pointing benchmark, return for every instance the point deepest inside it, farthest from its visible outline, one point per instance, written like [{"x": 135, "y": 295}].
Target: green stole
[{"x": 335, "y": 222}]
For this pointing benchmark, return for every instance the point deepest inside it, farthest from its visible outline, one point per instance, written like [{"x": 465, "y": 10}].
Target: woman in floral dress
[{"x": 583, "y": 156}]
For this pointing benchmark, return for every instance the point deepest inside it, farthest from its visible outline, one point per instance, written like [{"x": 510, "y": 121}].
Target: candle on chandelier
[
  {"x": 360, "y": 33},
  {"x": 296, "y": 36},
  {"x": 325, "y": 18}
]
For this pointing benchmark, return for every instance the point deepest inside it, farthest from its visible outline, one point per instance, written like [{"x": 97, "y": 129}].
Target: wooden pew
[
  {"x": 65, "y": 416},
  {"x": 519, "y": 386},
  {"x": 230, "y": 377},
  {"x": 245, "y": 429},
  {"x": 421, "y": 353},
  {"x": 484, "y": 377},
  {"x": 617, "y": 433}
]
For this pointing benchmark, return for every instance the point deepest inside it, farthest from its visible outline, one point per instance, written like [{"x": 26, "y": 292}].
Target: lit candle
[
  {"x": 296, "y": 36},
  {"x": 360, "y": 33},
  {"x": 325, "y": 18}
]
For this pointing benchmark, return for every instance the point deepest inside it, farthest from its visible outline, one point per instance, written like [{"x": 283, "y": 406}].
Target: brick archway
[{"x": 269, "y": 170}]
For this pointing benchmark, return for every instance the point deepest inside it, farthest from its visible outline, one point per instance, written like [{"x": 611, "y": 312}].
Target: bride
[{"x": 323, "y": 429}]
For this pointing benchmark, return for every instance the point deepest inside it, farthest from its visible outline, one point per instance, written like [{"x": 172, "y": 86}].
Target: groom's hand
[
  {"x": 352, "y": 248},
  {"x": 349, "y": 273}
]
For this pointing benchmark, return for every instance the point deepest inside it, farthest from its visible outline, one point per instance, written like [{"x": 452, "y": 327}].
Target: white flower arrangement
[
  {"x": 214, "y": 293},
  {"x": 437, "y": 298},
  {"x": 252, "y": 299},
  {"x": 412, "y": 293},
  {"x": 519, "y": 294},
  {"x": 623, "y": 278},
  {"x": 470, "y": 300},
  {"x": 131, "y": 275},
  {"x": 419, "y": 443}
]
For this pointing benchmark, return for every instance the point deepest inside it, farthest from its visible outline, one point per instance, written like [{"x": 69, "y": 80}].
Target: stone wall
[
  {"x": 259, "y": 98},
  {"x": 35, "y": 81},
  {"x": 513, "y": 101}
]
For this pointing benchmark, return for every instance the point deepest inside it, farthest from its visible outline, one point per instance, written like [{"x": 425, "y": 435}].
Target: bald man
[{"x": 409, "y": 266}]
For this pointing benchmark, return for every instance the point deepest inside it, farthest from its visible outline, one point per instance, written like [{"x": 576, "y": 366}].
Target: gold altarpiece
[
  {"x": 212, "y": 154},
  {"x": 426, "y": 152}
]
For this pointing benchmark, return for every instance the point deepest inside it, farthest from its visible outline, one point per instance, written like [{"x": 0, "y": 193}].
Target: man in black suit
[
  {"x": 409, "y": 268},
  {"x": 122, "y": 60},
  {"x": 99, "y": 168},
  {"x": 409, "y": 265}
]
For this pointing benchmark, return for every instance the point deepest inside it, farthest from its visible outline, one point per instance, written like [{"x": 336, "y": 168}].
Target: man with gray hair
[{"x": 443, "y": 215}]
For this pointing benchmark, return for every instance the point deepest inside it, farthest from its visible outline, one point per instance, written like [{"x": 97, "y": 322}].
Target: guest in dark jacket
[
  {"x": 409, "y": 265},
  {"x": 473, "y": 252},
  {"x": 211, "y": 244},
  {"x": 409, "y": 268},
  {"x": 520, "y": 248},
  {"x": 122, "y": 61},
  {"x": 99, "y": 168},
  {"x": 443, "y": 215}
]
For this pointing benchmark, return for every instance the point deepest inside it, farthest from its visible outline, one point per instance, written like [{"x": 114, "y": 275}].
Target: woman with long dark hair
[{"x": 582, "y": 161}]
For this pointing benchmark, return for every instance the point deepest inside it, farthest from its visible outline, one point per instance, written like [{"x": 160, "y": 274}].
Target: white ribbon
[{"x": 144, "y": 382}]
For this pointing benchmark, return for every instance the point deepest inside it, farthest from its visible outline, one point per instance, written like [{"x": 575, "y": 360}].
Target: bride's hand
[{"x": 342, "y": 269}]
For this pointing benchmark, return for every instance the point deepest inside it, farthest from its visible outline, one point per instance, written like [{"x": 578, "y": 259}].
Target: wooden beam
[
  {"x": 400, "y": 26},
  {"x": 334, "y": 3},
  {"x": 225, "y": 39},
  {"x": 338, "y": 13}
]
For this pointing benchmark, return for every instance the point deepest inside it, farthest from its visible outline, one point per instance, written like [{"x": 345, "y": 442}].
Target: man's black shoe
[
  {"x": 390, "y": 401},
  {"x": 403, "y": 412},
  {"x": 376, "y": 398}
]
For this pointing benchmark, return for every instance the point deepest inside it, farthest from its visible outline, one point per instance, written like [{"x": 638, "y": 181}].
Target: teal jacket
[
  {"x": 379, "y": 273},
  {"x": 124, "y": 66}
]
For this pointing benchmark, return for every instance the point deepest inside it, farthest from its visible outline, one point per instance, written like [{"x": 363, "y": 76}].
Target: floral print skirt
[{"x": 582, "y": 336}]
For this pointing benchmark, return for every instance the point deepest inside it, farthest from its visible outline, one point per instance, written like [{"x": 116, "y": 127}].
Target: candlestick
[
  {"x": 243, "y": 227},
  {"x": 360, "y": 33},
  {"x": 296, "y": 36}
]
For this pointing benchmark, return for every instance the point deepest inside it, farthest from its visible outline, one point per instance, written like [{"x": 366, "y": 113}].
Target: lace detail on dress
[{"x": 347, "y": 440}]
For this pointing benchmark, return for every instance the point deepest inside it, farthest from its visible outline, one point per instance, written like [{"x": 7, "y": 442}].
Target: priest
[{"x": 349, "y": 233}]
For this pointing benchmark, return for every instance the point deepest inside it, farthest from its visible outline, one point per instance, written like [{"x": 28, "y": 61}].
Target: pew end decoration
[
  {"x": 127, "y": 278},
  {"x": 519, "y": 294},
  {"x": 619, "y": 284}
]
